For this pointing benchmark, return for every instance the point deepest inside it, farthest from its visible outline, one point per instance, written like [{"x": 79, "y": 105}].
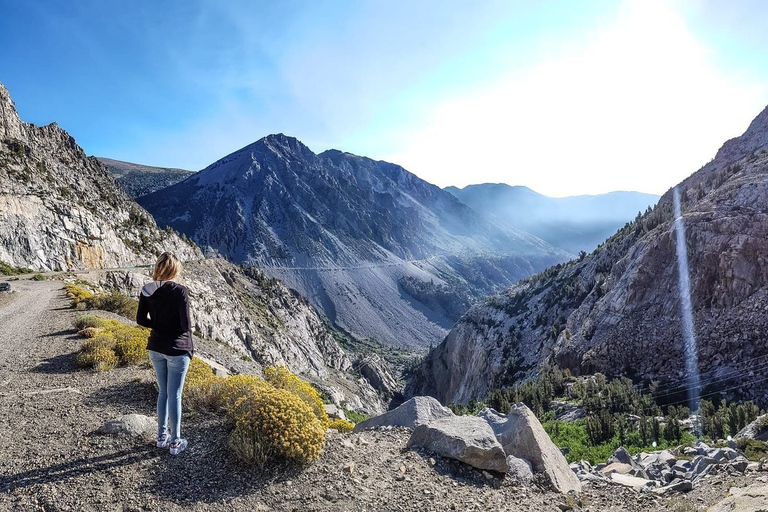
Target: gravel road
[{"x": 51, "y": 459}]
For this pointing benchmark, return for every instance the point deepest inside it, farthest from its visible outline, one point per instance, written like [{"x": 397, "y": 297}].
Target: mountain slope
[
  {"x": 384, "y": 254},
  {"x": 617, "y": 311},
  {"x": 140, "y": 180},
  {"x": 576, "y": 223},
  {"x": 61, "y": 210}
]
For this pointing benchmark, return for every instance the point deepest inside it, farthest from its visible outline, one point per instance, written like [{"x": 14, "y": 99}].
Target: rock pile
[
  {"x": 515, "y": 444},
  {"x": 663, "y": 471}
]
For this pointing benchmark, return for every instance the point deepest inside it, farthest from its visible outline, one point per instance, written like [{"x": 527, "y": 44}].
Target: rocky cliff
[
  {"x": 139, "y": 180},
  {"x": 382, "y": 253},
  {"x": 618, "y": 310},
  {"x": 60, "y": 209}
]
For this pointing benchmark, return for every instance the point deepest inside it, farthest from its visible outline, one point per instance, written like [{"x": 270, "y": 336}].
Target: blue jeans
[{"x": 170, "y": 372}]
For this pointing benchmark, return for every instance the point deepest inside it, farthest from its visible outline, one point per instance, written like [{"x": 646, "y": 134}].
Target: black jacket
[{"x": 164, "y": 307}]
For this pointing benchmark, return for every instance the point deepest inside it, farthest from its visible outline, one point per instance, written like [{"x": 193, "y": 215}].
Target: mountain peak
[
  {"x": 11, "y": 126},
  {"x": 754, "y": 138}
]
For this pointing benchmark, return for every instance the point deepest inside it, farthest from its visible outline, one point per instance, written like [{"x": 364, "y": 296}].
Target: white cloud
[{"x": 639, "y": 106}]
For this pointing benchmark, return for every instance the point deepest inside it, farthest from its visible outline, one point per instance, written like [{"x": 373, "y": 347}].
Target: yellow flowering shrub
[
  {"x": 131, "y": 344},
  {"x": 97, "y": 353},
  {"x": 78, "y": 294},
  {"x": 127, "y": 343},
  {"x": 274, "y": 423},
  {"x": 342, "y": 426},
  {"x": 281, "y": 378}
]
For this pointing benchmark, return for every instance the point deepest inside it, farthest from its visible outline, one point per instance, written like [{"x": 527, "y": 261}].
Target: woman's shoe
[
  {"x": 163, "y": 441},
  {"x": 178, "y": 446}
]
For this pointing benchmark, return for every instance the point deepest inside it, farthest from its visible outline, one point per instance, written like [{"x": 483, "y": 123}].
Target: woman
[{"x": 164, "y": 307}]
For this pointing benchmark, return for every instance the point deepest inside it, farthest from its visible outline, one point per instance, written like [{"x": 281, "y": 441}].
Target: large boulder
[
  {"x": 522, "y": 435},
  {"x": 468, "y": 439},
  {"x": 748, "y": 499},
  {"x": 417, "y": 411}
]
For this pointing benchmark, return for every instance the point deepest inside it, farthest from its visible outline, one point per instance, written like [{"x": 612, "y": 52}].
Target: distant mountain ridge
[
  {"x": 383, "y": 253},
  {"x": 139, "y": 180},
  {"x": 574, "y": 224},
  {"x": 618, "y": 310}
]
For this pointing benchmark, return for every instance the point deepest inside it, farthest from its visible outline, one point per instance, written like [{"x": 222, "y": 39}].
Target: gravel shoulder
[{"x": 53, "y": 460}]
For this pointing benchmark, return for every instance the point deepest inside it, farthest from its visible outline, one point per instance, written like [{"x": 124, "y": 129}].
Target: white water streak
[{"x": 684, "y": 285}]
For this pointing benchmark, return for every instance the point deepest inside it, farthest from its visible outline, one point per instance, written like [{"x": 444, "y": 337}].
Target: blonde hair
[{"x": 167, "y": 267}]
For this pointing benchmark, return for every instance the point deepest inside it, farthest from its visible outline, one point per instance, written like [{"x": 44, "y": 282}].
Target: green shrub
[
  {"x": 355, "y": 417},
  {"x": 38, "y": 277},
  {"x": 10, "y": 270},
  {"x": 85, "y": 321},
  {"x": 115, "y": 302},
  {"x": 752, "y": 448},
  {"x": 274, "y": 423}
]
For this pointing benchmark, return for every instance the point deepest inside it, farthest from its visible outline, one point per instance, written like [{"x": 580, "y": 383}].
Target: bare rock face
[
  {"x": 62, "y": 210},
  {"x": 618, "y": 310},
  {"x": 377, "y": 371}
]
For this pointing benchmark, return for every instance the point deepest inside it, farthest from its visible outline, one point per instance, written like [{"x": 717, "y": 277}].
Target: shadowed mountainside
[{"x": 382, "y": 253}]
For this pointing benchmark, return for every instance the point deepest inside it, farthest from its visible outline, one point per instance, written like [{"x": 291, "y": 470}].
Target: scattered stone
[
  {"x": 622, "y": 456},
  {"x": 349, "y": 467},
  {"x": 334, "y": 412},
  {"x": 631, "y": 481},
  {"x": 616, "y": 467},
  {"x": 679, "y": 486}
]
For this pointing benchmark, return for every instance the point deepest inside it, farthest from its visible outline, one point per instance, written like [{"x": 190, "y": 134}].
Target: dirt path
[
  {"x": 51, "y": 458},
  {"x": 22, "y": 311}
]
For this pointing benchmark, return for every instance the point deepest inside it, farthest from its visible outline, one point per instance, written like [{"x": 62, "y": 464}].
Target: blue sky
[{"x": 566, "y": 97}]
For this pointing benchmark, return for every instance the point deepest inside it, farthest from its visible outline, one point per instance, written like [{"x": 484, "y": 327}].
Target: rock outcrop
[
  {"x": 618, "y": 310},
  {"x": 382, "y": 253},
  {"x": 62, "y": 210}
]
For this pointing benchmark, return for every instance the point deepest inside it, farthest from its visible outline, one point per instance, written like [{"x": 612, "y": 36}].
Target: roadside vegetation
[{"x": 277, "y": 417}]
